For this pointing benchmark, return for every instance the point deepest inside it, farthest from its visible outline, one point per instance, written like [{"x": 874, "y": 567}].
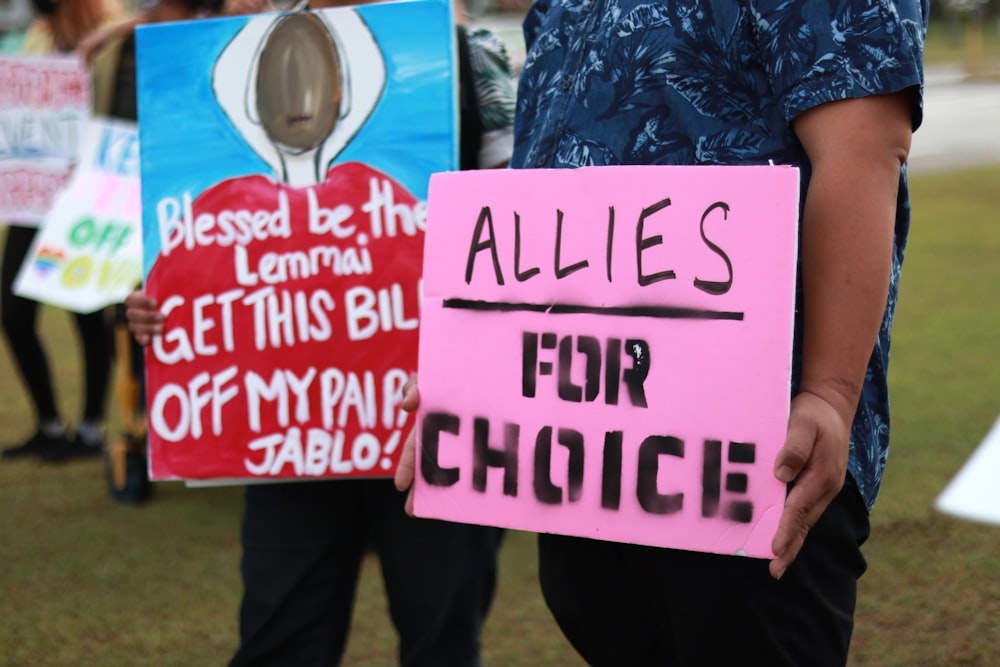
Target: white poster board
[
  {"x": 974, "y": 493},
  {"x": 88, "y": 253}
]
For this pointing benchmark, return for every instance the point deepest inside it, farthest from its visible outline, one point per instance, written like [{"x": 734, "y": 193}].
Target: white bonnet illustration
[{"x": 314, "y": 78}]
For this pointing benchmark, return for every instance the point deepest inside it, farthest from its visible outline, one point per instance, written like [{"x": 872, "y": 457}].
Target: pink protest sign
[
  {"x": 44, "y": 102},
  {"x": 606, "y": 352}
]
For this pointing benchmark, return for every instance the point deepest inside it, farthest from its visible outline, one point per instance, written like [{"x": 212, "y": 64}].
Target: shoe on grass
[
  {"x": 37, "y": 446},
  {"x": 72, "y": 450}
]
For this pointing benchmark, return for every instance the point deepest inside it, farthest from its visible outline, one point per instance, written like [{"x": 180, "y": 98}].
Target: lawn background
[{"x": 87, "y": 581}]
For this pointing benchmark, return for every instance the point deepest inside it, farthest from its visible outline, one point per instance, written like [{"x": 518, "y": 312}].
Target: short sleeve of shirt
[{"x": 817, "y": 51}]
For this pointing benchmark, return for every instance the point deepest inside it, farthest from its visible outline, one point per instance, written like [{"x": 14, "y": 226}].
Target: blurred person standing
[
  {"x": 59, "y": 27},
  {"x": 303, "y": 541},
  {"x": 128, "y": 475}
]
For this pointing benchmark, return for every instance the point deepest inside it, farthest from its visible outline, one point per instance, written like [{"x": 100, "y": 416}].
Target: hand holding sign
[
  {"x": 815, "y": 458},
  {"x": 805, "y": 457},
  {"x": 408, "y": 457},
  {"x": 144, "y": 318}
]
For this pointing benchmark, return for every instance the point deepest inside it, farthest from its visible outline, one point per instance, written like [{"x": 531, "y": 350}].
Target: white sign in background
[
  {"x": 973, "y": 493},
  {"x": 44, "y": 102},
  {"x": 88, "y": 253}
]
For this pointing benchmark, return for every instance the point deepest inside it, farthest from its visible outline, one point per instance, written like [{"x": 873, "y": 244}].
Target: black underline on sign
[{"x": 661, "y": 312}]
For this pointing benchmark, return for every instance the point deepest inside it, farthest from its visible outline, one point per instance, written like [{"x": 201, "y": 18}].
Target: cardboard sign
[
  {"x": 88, "y": 254},
  {"x": 285, "y": 163},
  {"x": 606, "y": 352},
  {"x": 44, "y": 102}
]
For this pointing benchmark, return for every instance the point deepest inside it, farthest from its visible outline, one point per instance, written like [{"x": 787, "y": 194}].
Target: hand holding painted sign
[{"x": 606, "y": 352}]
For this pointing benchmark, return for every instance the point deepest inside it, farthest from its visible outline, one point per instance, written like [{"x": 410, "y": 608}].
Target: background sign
[
  {"x": 88, "y": 253},
  {"x": 973, "y": 493},
  {"x": 44, "y": 102},
  {"x": 606, "y": 352},
  {"x": 285, "y": 162}
]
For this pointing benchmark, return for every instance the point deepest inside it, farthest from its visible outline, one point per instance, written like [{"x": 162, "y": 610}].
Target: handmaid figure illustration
[
  {"x": 300, "y": 105},
  {"x": 290, "y": 277}
]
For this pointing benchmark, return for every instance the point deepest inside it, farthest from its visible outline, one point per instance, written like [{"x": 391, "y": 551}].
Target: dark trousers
[
  {"x": 302, "y": 549},
  {"x": 20, "y": 319},
  {"x": 629, "y": 605}
]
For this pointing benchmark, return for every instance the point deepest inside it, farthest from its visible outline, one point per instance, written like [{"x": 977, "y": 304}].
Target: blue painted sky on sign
[{"x": 188, "y": 143}]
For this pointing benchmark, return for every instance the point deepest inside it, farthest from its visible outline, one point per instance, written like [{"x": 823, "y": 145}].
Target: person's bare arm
[
  {"x": 856, "y": 148},
  {"x": 96, "y": 39}
]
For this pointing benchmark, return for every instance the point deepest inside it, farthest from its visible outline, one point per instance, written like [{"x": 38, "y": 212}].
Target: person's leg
[
  {"x": 18, "y": 316},
  {"x": 700, "y": 609},
  {"x": 302, "y": 546},
  {"x": 439, "y": 576},
  {"x": 96, "y": 339},
  {"x": 597, "y": 601},
  {"x": 806, "y": 618}
]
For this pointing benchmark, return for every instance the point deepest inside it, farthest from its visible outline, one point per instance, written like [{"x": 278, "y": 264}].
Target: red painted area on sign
[{"x": 291, "y": 326}]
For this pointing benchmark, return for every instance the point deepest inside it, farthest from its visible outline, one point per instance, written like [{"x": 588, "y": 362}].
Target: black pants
[
  {"x": 302, "y": 548},
  {"x": 629, "y": 605},
  {"x": 20, "y": 319}
]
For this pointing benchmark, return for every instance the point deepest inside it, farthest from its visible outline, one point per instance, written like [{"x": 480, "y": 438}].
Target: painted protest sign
[
  {"x": 285, "y": 164},
  {"x": 606, "y": 352},
  {"x": 88, "y": 253},
  {"x": 44, "y": 102}
]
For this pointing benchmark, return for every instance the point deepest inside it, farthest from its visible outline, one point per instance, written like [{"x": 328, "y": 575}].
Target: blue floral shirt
[{"x": 609, "y": 82}]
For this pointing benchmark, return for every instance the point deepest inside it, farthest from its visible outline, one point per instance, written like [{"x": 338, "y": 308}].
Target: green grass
[
  {"x": 86, "y": 581},
  {"x": 932, "y": 593}
]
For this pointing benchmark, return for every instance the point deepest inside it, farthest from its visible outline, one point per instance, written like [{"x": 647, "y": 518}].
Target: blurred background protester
[
  {"x": 108, "y": 36},
  {"x": 302, "y": 542},
  {"x": 128, "y": 476},
  {"x": 59, "y": 27}
]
